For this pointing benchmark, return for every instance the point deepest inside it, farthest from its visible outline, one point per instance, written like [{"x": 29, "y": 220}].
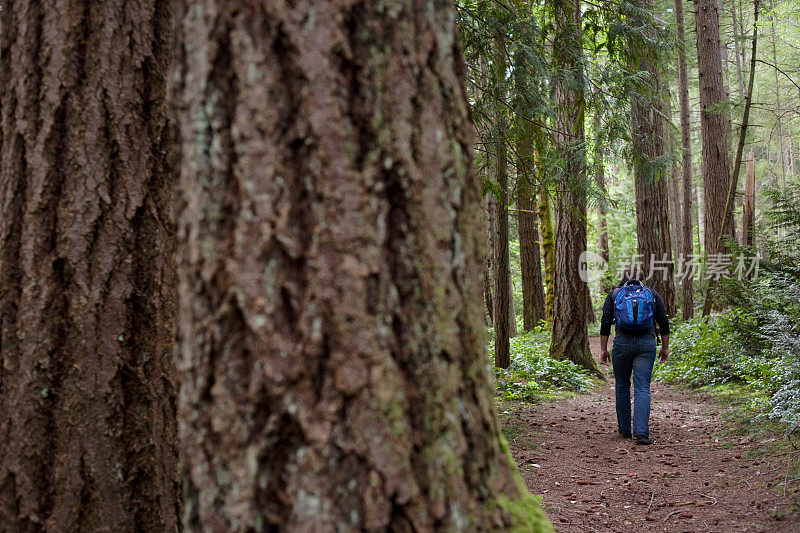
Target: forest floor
[{"x": 700, "y": 474}]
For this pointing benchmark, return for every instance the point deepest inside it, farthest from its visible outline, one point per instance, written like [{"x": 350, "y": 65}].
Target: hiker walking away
[{"x": 635, "y": 309}]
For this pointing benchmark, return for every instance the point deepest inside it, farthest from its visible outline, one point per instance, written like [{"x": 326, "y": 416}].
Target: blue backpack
[{"x": 633, "y": 307}]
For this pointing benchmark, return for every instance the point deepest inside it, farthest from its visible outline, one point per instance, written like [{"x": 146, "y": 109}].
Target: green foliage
[
  {"x": 755, "y": 342},
  {"x": 534, "y": 373}
]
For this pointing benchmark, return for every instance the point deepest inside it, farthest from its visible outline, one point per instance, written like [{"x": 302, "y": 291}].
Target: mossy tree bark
[
  {"x": 571, "y": 294},
  {"x": 548, "y": 246},
  {"x": 332, "y": 352},
  {"x": 87, "y": 296}
]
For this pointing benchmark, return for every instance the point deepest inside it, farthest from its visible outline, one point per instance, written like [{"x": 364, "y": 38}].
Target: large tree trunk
[
  {"x": 570, "y": 313},
  {"x": 87, "y": 294},
  {"x": 687, "y": 231},
  {"x": 650, "y": 177},
  {"x": 332, "y": 352},
  {"x": 715, "y": 129}
]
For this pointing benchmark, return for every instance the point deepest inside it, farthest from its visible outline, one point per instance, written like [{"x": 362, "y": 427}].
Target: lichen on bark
[{"x": 332, "y": 353}]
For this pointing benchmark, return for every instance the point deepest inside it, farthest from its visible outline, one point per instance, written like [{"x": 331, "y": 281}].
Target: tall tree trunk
[
  {"x": 530, "y": 261},
  {"x": 533, "y": 311},
  {"x": 87, "y": 299},
  {"x": 701, "y": 216},
  {"x": 687, "y": 239},
  {"x": 501, "y": 274},
  {"x": 599, "y": 167},
  {"x": 675, "y": 215},
  {"x": 570, "y": 339},
  {"x": 486, "y": 211},
  {"x": 650, "y": 177},
  {"x": 749, "y": 211},
  {"x": 548, "y": 244},
  {"x": 503, "y": 292},
  {"x": 512, "y": 312},
  {"x": 332, "y": 352},
  {"x": 715, "y": 131}
]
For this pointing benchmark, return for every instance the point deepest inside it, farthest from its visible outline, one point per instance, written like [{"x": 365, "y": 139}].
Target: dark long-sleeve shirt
[{"x": 659, "y": 317}]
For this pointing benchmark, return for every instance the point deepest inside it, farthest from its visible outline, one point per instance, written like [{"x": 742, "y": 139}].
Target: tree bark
[
  {"x": 486, "y": 211},
  {"x": 701, "y": 215},
  {"x": 548, "y": 247},
  {"x": 715, "y": 129},
  {"x": 687, "y": 231},
  {"x": 675, "y": 215},
  {"x": 749, "y": 211},
  {"x": 602, "y": 230},
  {"x": 502, "y": 272},
  {"x": 332, "y": 352},
  {"x": 650, "y": 176},
  {"x": 504, "y": 318},
  {"x": 533, "y": 310},
  {"x": 570, "y": 339},
  {"x": 87, "y": 298}
]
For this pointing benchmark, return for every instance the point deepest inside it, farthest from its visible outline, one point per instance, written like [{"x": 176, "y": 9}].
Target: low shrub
[
  {"x": 754, "y": 342},
  {"x": 533, "y": 373}
]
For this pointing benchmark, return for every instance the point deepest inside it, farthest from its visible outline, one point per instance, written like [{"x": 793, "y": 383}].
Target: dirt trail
[{"x": 690, "y": 479}]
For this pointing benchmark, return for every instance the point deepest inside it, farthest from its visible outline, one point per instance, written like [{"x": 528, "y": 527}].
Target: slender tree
[
  {"x": 748, "y": 104},
  {"x": 749, "y": 209},
  {"x": 87, "y": 294},
  {"x": 533, "y": 310},
  {"x": 332, "y": 352},
  {"x": 486, "y": 209},
  {"x": 533, "y": 306},
  {"x": 687, "y": 238},
  {"x": 599, "y": 169},
  {"x": 548, "y": 241},
  {"x": 502, "y": 270},
  {"x": 570, "y": 312}
]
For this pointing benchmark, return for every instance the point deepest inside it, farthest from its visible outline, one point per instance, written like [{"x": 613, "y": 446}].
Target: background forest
[{"x": 692, "y": 148}]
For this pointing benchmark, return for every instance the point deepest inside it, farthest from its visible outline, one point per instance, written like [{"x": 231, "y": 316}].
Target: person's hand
[
  {"x": 605, "y": 357},
  {"x": 662, "y": 354}
]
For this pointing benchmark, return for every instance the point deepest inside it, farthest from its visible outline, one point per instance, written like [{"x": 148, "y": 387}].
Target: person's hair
[{"x": 631, "y": 272}]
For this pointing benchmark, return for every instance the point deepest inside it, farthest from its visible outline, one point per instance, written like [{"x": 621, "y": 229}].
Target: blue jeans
[{"x": 633, "y": 355}]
